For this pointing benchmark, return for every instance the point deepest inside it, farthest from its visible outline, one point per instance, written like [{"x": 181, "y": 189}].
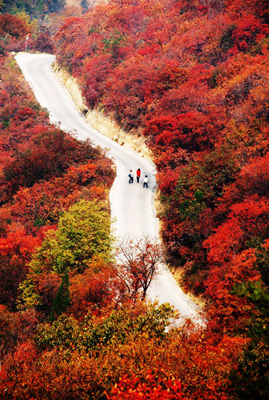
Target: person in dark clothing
[{"x": 131, "y": 176}]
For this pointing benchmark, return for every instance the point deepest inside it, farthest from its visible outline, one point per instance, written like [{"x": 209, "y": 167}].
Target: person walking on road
[
  {"x": 138, "y": 174},
  {"x": 145, "y": 183},
  {"x": 131, "y": 177}
]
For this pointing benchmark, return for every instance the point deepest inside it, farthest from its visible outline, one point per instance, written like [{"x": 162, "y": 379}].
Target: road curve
[{"x": 132, "y": 206}]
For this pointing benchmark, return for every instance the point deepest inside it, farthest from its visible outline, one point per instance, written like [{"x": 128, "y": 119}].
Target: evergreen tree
[{"x": 62, "y": 299}]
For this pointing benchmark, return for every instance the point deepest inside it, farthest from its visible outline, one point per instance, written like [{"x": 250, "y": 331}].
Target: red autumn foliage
[
  {"x": 192, "y": 77},
  {"x": 12, "y": 25},
  {"x": 15, "y": 252},
  {"x": 192, "y": 131},
  {"x": 246, "y": 222},
  {"x": 249, "y": 31},
  {"x": 196, "y": 84},
  {"x": 97, "y": 288},
  {"x": 43, "y": 172},
  {"x": 152, "y": 388}
]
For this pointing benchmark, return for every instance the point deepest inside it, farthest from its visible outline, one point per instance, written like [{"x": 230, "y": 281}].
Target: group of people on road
[{"x": 138, "y": 176}]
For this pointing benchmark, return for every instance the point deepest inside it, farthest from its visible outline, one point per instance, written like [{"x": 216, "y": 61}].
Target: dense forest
[
  {"x": 33, "y": 8},
  {"x": 192, "y": 77}
]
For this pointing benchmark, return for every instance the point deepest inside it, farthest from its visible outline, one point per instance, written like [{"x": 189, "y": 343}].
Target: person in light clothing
[{"x": 146, "y": 180}]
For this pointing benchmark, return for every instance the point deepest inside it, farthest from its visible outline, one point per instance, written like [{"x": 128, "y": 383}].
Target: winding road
[{"x": 132, "y": 206}]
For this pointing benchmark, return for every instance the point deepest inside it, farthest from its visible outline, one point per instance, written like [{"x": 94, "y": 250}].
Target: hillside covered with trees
[
  {"x": 33, "y": 8},
  {"x": 192, "y": 77}
]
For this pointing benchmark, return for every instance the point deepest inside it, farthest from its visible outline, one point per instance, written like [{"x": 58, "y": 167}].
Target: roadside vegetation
[{"x": 192, "y": 77}]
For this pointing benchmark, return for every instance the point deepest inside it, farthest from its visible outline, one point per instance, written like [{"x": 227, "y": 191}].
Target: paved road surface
[{"x": 132, "y": 206}]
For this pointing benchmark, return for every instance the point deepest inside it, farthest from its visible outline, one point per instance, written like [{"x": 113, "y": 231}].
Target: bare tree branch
[{"x": 138, "y": 265}]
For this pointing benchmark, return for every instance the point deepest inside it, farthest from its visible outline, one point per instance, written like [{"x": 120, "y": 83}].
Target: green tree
[
  {"x": 251, "y": 379},
  {"x": 62, "y": 299},
  {"x": 83, "y": 233},
  {"x": 34, "y": 8}
]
